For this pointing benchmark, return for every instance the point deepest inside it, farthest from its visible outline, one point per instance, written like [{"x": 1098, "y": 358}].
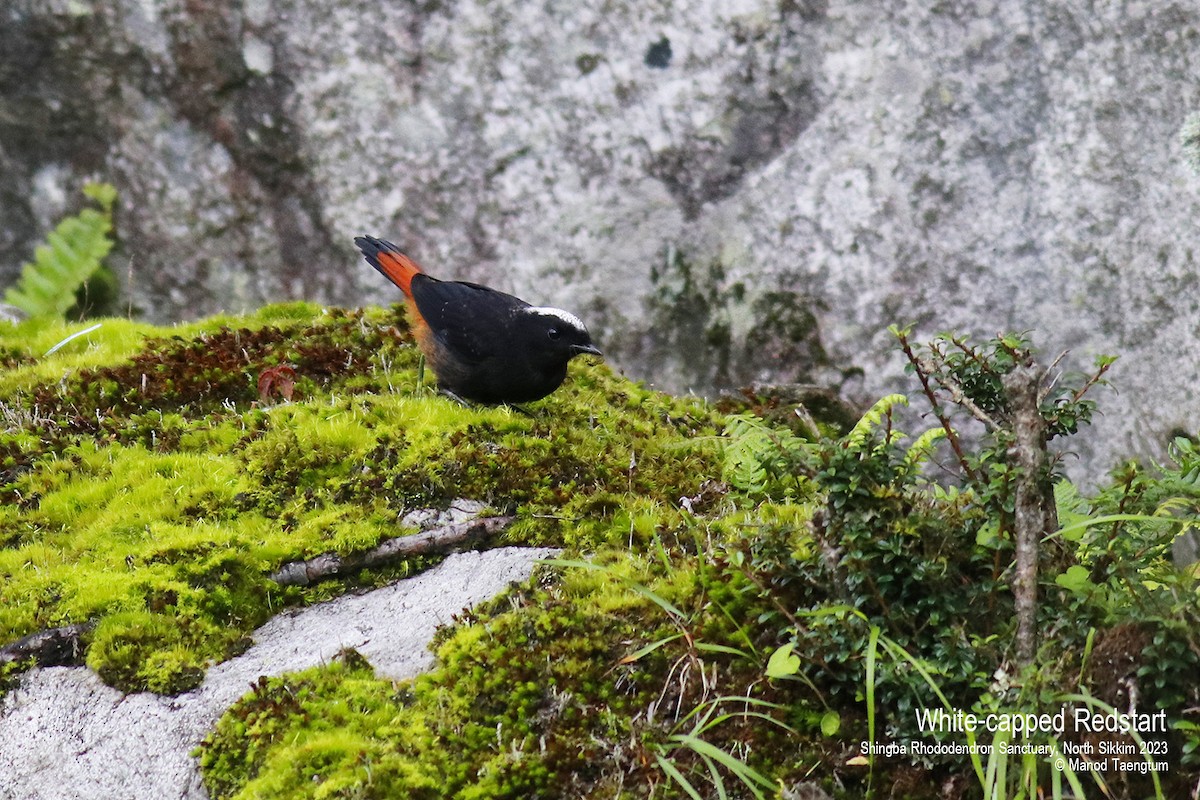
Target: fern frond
[
  {"x": 1072, "y": 510},
  {"x": 922, "y": 448},
  {"x": 1175, "y": 506},
  {"x": 859, "y": 434},
  {"x": 761, "y": 459},
  {"x": 1068, "y": 501},
  {"x": 73, "y": 252}
]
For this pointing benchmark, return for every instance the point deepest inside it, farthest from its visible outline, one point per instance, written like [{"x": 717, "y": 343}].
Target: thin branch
[
  {"x": 959, "y": 396},
  {"x": 446, "y": 539},
  {"x": 983, "y": 363},
  {"x": 1092, "y": 381},
  {"x": 1049, "y": 385},
  {"x": 1058, "y": 359},
  {"x": 923, "y": 373}
]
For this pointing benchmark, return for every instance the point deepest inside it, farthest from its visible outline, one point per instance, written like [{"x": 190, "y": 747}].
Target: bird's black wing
[{"x": 469, "y": 320}]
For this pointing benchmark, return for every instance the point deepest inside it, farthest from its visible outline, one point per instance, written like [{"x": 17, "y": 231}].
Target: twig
[
  {"x": 1092, "y": 381},
  {"x": 959, "y": 397},
  {"x": 923, "y": 373},
  {"x": 446, "y": 539},
  {"x": 1049, "y": 385}
]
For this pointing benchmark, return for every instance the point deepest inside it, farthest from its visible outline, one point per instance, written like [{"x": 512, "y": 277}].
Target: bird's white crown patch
[{"x": 565, "y": 316}]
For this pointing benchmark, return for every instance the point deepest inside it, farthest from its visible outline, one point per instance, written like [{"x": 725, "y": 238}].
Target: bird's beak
[{"x": 590, "y": 349}]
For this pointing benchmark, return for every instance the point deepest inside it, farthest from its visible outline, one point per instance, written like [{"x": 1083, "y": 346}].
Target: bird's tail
[{"x": 387, "y": 258}]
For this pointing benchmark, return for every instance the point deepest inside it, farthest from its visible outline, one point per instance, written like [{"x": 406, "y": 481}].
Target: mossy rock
[
  {"x": 569, "y": 687},
  {"x": 151, "y": 479}
]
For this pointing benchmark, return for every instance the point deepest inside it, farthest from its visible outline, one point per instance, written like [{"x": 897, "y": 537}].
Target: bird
[{"x": 483, "y": 345}]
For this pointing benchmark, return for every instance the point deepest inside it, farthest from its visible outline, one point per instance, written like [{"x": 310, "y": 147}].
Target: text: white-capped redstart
[{"x": 482, "y": 344}]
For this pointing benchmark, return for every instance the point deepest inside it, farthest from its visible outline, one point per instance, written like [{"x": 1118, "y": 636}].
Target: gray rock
[
  {"x": 460, "y": 510},
  {"x": 726, "y": 192},
  {"x": 65, "y": 735}
]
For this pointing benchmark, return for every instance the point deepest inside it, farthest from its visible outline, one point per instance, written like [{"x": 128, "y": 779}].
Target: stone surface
[
  {"x": 65, "y": 735},
  {"x": 725, "y": 191}
]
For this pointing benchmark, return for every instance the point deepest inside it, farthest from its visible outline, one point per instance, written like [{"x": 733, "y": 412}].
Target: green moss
[
  {"x": 542, "y": 694},
  {"x": 572, "y": 686},
  {"x": 28, "y": 342},
  {"x": 146, "y": 485},
  {"x": 341, "y": 733},
  {"x": 142, "y": 474},
  {"x": 145, "y": 650}
]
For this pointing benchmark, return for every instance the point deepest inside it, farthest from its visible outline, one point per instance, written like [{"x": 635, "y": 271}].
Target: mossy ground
[
  {"x": 148, "y": 486},
  {"x": 151, "y": 481},
  {"x": 577, "y": 685}
]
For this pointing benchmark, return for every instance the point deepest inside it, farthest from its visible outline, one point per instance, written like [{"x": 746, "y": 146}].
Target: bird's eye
[{"x": 552, "y": 333}]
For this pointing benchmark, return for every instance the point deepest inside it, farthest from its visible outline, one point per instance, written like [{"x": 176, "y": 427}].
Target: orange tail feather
[{"x": 387, "y": 258}]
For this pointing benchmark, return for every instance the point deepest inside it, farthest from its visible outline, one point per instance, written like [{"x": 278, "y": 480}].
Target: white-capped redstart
[{"x": 482, "y": 344}]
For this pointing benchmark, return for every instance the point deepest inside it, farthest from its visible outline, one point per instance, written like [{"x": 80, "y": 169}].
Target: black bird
[{"x": 482, "y": 344}]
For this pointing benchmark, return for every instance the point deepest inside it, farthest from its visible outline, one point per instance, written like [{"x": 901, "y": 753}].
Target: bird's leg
[
  {"x": 522, "y": 410},
  {"x": 451, "y": 395}
]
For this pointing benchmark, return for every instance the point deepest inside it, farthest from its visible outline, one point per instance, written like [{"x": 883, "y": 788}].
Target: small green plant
[
  {"x": 1001, "y": 385},
  {"x": 884, "y": 540},
  {"x": 700, "y": 720},
  {"x": 872, "y": 590},
  {"x": 688, "y": 735},
  {"x": 763, "y": 460},
  {"x": 74, "y": 252}
]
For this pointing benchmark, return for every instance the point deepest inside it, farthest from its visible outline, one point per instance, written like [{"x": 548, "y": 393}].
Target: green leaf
[
  {"x": 674, "y": 774},
  {"x": 743, "y": 771},
  {"x": 709, "y": 647},
  {"x": 831, "y": 723},
  {"x": 783, "y": 662},
  {"x": 640, "y": 653},
  {"x": 988, "y": 535},
  {"x": 1076, "y": 579}
]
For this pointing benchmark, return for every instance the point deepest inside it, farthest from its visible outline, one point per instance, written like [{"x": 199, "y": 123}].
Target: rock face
[
  {"x": 67, "y": 735},
  {"x": 726, "y": 191}
]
